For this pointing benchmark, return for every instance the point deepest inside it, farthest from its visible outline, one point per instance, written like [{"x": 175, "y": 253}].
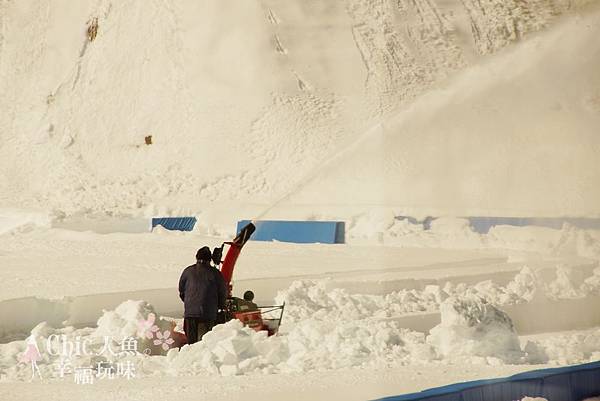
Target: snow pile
[
  {"x": 228, "y": 349},
  {"x": 133, "y": 319},
  {"x": 232, "y": 349},
  {"x": 471, "y": 327},
  {"x": 320, "y": 300},
  {"x": 588, "y": 243},
  {"x": 313, "y": 299},
  {"x": 388, "y": 226},
  {"x": 380, "y": 226},
  {"x": 125, "y": 320},
  {"x": 568, "y": 283},
  {"x": 384, "y": 227},
  {"x": 535, "y": 284},
  {"x": 565, "y": 349},
  {"x": 592, "y": 284},
  {"x": 332, "y": 337},
  {"x": 331, "y": 328},
  {"x": 574, "y": 241},
  {"x": 317, "y": 344},
  {"x": 524, "y": 287},
  {"x": 562, "y": 282}
]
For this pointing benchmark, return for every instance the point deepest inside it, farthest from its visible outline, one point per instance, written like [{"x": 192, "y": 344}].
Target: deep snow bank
[
  {"x": 324, "y": 300},
  {"x": 229, "y": 349},
  {"x": 323, "y": 329},
  {"x": 386, "y": 226}
]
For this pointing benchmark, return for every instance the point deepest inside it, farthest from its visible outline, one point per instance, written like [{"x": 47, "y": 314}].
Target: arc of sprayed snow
[{"x": 316, "y": 171}]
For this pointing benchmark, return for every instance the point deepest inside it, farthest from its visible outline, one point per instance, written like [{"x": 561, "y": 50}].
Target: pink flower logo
[
  {"x": 147, "y": 328},
  {"x": 164, "y": 339},
  {"x": 32, "y": 355}
]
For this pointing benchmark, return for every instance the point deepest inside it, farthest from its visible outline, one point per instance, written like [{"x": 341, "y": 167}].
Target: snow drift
[{"x": 324, "y": 329}]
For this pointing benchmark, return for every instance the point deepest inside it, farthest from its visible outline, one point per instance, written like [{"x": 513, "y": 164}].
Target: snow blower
[{"x": 259, "y": 318}]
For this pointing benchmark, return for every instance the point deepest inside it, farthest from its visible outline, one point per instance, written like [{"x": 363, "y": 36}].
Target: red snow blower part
[{"x": 259, "y": 318}]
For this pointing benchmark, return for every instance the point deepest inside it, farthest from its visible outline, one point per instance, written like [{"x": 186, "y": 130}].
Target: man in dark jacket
[{"x": 202, "y": 290}]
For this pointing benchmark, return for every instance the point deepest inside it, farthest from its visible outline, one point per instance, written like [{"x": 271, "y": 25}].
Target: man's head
[{"x": 203, "y": 254}]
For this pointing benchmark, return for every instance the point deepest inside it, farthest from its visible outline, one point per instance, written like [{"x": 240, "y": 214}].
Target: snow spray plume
[{"x": 314, "y": 173}]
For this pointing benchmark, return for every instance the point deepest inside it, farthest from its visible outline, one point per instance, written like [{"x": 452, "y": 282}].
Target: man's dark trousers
[{"x": 195, "y": 328}]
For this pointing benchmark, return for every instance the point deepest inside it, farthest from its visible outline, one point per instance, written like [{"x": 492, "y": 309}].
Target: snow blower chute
[{"x": 244, "y": 309}]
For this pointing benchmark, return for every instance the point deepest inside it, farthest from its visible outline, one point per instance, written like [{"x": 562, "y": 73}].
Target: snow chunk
[
  {"x": 229, "y": 349},
  {"x": 471, "y": 327}
]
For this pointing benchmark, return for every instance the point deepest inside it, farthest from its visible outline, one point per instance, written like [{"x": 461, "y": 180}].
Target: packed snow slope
[
  {"x": 252, "y": 101},
  {"x": 527, "y": 120}
]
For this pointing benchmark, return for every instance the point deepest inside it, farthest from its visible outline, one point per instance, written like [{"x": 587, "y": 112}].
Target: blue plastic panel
[
  {"x": 303, "y": 232},
  {"x": 175, "y": 223},
  {"x": 571, "y": 383},
  {"x": 483, "y": 224}
]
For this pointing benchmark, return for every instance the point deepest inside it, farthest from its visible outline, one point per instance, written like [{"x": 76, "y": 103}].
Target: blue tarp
[
  {"x": 571, "y": 383},
  {"x": 325, "y": 232},
  {"x": 175, "y": 223}
]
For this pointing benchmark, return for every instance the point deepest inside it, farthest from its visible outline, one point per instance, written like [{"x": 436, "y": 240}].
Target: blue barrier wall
[
  {"x": 572, "y": 383},
  {"x": 304, "y": 232},
  {"x": 175, "y": 223},
  {"x": 483, "y": 224}
]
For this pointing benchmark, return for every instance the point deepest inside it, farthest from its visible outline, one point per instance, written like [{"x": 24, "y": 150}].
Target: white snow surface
[
  {"x": 359, "y": 111},
  {"x": 346, "y": 306}
]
